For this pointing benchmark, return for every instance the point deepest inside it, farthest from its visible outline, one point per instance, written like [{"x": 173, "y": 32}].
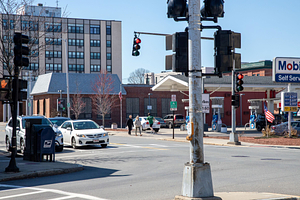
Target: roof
[
  {"x": 51, "y": 83},
  {"x": 251, "y": 83}
]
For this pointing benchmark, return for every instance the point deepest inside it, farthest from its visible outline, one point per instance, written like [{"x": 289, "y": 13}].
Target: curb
[{"x": 25, "y": 175}]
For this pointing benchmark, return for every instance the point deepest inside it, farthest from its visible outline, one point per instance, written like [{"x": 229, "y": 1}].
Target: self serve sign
[{"x": 286, "y": 70}]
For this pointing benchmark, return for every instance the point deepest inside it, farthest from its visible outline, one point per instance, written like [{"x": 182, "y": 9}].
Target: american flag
[{"x": 270, "y": 117}]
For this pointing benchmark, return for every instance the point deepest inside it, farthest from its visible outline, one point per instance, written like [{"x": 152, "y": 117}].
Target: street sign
[
  {"x": 173, "y": 105},
  {"x": 205, "y": 103},
  {"x": 286, "y": 70},
  {"x": 173, "y": 97},
  {"x": 289, "y": 102}
]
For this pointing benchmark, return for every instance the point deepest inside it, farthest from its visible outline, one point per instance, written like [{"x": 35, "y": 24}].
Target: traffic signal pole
[
  {"x": 197, "y": 181},
  {"x": 233, "y": 137}
]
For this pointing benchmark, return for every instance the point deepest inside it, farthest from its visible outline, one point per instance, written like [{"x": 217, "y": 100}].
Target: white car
[
  {"x": 146, "y": 125},
  {"x": 20, "y": 133},
  {"x": 83, "y": 133}
]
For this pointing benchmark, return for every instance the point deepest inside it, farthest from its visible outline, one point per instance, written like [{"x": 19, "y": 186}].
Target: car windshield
[
  {"x": 85, "y": 125},
  {"x": 179, "y": 117},
  {"x": 45, "y": 121},
  {"x": 58, "y": 121}
]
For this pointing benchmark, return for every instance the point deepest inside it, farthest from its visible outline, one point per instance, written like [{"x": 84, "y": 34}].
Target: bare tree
[
  {"x": 36, "y": 26},
  {"x": 137, "y": 77},
  {"x": 77, "y": 103},
  {"x": 104, "y": 100}
]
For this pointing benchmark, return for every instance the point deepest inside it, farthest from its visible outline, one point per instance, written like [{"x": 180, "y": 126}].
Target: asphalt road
[{"x": 138, "y": 168}]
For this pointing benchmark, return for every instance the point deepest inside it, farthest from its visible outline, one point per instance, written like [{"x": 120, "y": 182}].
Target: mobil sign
[{"x": 286, "y": 70}]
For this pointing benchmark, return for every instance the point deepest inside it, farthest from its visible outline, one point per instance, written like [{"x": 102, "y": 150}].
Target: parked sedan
[
  {"x": 146, "y": 125},
  {"x": 20, "y": 133},
  {"x": 282, "y": 129},
  {"x": 83, "y": 133},
  {"x": 162, "y": 122}
]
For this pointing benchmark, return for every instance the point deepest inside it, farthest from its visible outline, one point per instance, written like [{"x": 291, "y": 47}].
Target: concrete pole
[
  {"x": 233, "y": 137},
  {"x": 197, "y": 181}
]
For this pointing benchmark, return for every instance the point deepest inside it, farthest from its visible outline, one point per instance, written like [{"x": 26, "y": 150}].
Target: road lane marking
[
  {"x": 20, "y": 195},
  {"x": 41, "y": 190},
  {"x": 128, "y": 145}
]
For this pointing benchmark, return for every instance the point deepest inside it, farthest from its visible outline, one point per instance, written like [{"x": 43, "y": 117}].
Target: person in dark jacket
[{"x": 129, "y": 124}]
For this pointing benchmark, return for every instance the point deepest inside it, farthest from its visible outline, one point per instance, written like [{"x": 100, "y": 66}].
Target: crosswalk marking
[{"x": 66, "y": 195}]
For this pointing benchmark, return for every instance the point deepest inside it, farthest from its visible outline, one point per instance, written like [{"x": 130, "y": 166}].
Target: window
[
  {"x": 75, "y": 28},
  {"x": 53, "y": 67},
  {"x": 95, "y": 55},
  {"x": 33, "y": 40},
  {"x": 165, "y": 106},
  {"x": 108, "y": 56},
  {"x": 53, "y": 41},
  {"x": 7, "y": 38},
  {"x": 76, "y": 68},
  {"x": 5, "y": 24},
  {"x": 53, "y": 54},
  {"x": 153, "y": 104},
  {"x": 95, "y": 68},
  {"x": 87, "y": 111},
  {"x": 73, "y": 42},
  {"x": 24, "y": 25},
  {"x": 132, "y": 107},
  {"x": 32, "y": 66},
  {"x": 52, "y": 27},
  {"x": 108, "y": 30},
  {"x": 95, "y": 43},
  {"x": 33, "y": 26},
  {"x": 34, "y": 53},
  {"x": 94, "y": 29},
  {"x": 108, "y": 43},
  {"x": 74, "y": 54},
  {"x": 108, "y": 68}
]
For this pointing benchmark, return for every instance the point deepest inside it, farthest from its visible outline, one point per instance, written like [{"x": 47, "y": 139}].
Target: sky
[{"x": 269, "y": 28}]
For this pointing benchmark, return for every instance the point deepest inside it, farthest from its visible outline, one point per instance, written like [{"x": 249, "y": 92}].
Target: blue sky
[{"x": 269, "y": 28}]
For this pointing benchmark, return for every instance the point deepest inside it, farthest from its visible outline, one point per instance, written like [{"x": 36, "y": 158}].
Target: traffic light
[
  {"x": 212, "y": 8},
  {"x": 178, "y": 62},
  {"x": 61, "y": 105},
  {"x": 136, "y": 46},
  {"x": 20, "y": 51},
  {"x": 225, "y": 43},
  {"x": 177, "y": 8},
  {"x": 22, "y": 86},
  {"x": 235, "y": 100},
  {"x": 239, "y": 82},
  {"x": 5, "y": 88}
]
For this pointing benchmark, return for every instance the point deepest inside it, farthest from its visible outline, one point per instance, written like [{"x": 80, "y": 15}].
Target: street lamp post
[
  {"x": 241, "y": 108},
  {"x": 149, "y": 103}
]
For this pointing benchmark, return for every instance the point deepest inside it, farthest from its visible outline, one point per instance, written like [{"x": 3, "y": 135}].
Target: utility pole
[
  {"x": 67, "y": 78},
  {"x": 197, "y": 181}
]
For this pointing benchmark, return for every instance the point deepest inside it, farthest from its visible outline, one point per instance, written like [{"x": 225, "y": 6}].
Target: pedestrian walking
[
  {"x": 150, "y": 119},
  {"x": 129, "y": 124},
  {"x": 138, "y": 125}
]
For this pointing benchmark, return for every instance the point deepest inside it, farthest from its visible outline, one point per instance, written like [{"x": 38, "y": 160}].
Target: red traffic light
[
  {"x": 138, "y": 40},
  {"x": 240, "y": 76}
]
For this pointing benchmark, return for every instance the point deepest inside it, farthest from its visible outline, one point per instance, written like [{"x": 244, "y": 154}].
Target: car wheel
[
  {"x": 74, "y": 143},
  {"x": 103, "y": 145},
  {"x": 7, "y": 144},
  {"x": 22, "y": 146},
  {"x": 258, "y": 128},
  {"x": 59, "y": 148},
  {"x": 170, "y": 125}
]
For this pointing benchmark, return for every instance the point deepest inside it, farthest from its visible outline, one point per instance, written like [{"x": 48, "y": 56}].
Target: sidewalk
[{"x": 29, "y": 169}]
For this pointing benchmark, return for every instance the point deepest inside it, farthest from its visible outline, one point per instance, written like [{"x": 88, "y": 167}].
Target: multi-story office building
[
  {"x": 58, "y": 43},
  {"x": 84, "y": 45}
]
